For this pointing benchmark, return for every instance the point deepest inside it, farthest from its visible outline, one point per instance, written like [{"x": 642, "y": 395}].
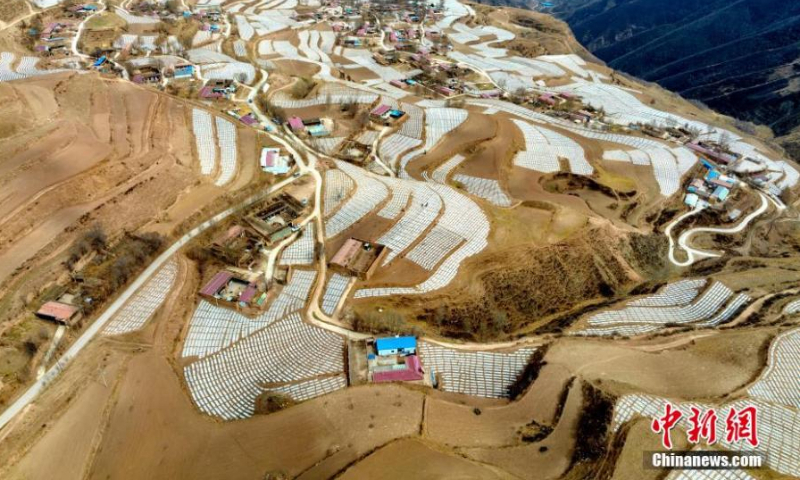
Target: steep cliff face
[{"x": 740, "y": 57}]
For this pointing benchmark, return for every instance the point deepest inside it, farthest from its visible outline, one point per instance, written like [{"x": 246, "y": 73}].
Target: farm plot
[
  {"x": 338, "y": 186},
  {"x": 670, "y": 307},
  {"x": 401, "y": 192},
  {"x": 673, "y": 294},
  {"x": 329, "y": 94},
  {"x": 424, "y": 207},
  {"x": 334, "y": 291},
  {"x": 314, "y": 43},
  {"x": 265, "y": 47},
  {"x": 434, "y": 247},
  {"x": 780, "y": 381},
  {"x": 147, "y": 42},
  {"x": 370, "y": 192},
  {"x": 131, "y": 19},
  {"x": 490, "y": 64},
  {"x": 204, "y": 137},
  {"x": 305, "y": 48},
  {"x": 481, "y": 374},
  {"x": 125, "y": 41},
  {"x": 143, "y": 305},
  {"x": 25, "y": 69},
  {"x": 309, "y": 389},
  {"x": 709, "y": 475},
  {"x": 271, "y": 21},
  {"x": 394, "y": 145},
  {"x": 622, "y": 107},
  {"x": 227, "y": 384},
  {"x": 327, "y": 41},
  {"x": 540, "y": 68},
  {"x": 462, "y": 218},
  {"x": 326, "y": 145},
  {"x": 200, "y": 38},
  {"x": 465, "y": 34},
  {"x": 301, "y": 251},
  {"x": 537, "y": 155},
  {"x": 443, "y": 171},
  {"x": 543, "y": 148},
  {"x": 484, "y": 188},
  {"x": 486, "y": 50},
  {"x": 413, "y": 125},
  {"x": 681, "y": 160},
  {"x": 364, "y": 59},
  {"x": 778, "y": 426},
  {"x": 438, "y": 123},
  {"x": 246, "y": 31},
  {"x": 452, "y": 10},
  {"x": 408, "y": 137},
  {"x": 226, "y": 136},
  {"x": 367, "y": 137},
  {"x": 240, "y": 48},
  {"x": 239, "y": 71},
  {"x": 668, "y": 164},
  {"x": 792, "y": 307},
  {"x": 286, "y": 50},
  {"x": 571, "y": 62},
  {"x": 512, "y": 82},
  {"x": 214, "y": 328}
]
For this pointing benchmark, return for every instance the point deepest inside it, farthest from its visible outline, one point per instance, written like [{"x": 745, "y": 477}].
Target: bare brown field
[
  {"x": 90, "y": 152},
  {"x": 532, "y": 460},
  {"x": 405, "y": 458},
  {"x": 458, "y": 425}
]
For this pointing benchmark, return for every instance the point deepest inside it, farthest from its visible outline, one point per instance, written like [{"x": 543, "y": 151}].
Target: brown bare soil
[
  {"x": 405, "y": 458},
  {"x": 10, "y": 10},
  {"x": 90, "y": 153}
]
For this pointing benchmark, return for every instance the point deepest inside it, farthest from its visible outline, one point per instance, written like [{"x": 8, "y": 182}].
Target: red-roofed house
[
  {"x": 379, "y": 112},
  {"x": 59, "y": 312},
  {"x": 273, "y": 162},
  {"x": 226, "y": 289},
  {"x": 296, "y": 124}
]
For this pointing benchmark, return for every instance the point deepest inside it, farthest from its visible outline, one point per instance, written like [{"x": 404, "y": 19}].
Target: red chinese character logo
[
  {"x": 703, "y": 426},
  {"x": 741, "y": 425},
  {"x": 666, "y": 423}
]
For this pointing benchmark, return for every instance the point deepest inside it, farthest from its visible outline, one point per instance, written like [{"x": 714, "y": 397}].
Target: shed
[
  {"x": 296, "y": 124},
  {"x": 396, "y": 346},
  {"x": 380, "y": 110},
  {"x": 216, "y": 284},
  {"x": 58, "y": 312}
]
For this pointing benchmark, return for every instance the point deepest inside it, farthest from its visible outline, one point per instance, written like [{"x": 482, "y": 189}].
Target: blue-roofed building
[
  {"x": 720, "y": 193},
  {"x": 396, "y": 346}
]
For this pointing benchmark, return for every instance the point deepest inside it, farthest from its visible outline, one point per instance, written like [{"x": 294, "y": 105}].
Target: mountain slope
[{"x": 739, "y": 57}]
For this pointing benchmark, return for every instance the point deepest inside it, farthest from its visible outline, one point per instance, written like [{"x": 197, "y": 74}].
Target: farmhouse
[
  {"x": 218, "y": 88},
  {"x": 273, "y": 162},
  {"x": 275, "y": 221},
  {"x": 385, "y": 115},
  {"x": 358, "y": 258},
  {"x": 227, "y": 289}
]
